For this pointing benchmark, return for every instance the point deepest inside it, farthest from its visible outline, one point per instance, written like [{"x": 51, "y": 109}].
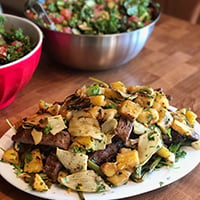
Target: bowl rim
[
  {"x": 153, "y": 22},
  {"x": 39, "y": 43}
]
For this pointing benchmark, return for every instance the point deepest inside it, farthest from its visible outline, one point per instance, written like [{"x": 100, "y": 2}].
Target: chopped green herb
[
  {"x": 93, "y": 90},
  {"x": 161, "y": 183},
  {"x": 28, "y": 157},
  {"x": 47, "y": 129}
]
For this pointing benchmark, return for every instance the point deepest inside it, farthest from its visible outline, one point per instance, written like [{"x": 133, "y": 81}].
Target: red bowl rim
[{"x": 39, "y": 43}]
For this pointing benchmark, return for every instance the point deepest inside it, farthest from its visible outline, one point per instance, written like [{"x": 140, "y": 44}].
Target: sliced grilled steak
[
  {"x": 177, "y": 137},
  {"x": 74, "y": 102},
  {"x": 61, "y": 139},
  {"x": 124, "y": 129},
  {"x": 52, "y": 167},
  {"x": 109, "y": 153}
]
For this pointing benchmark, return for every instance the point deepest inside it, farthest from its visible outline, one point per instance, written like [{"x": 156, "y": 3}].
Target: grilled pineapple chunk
[
  {"x": 160, "y": 101},
  {"x": 145, "y": 101},
  {"x": 109, "y": 168},
  {"x": 148, "y": 116},
  {"x": 181, "y": 128},
  {"x": 191, "y": 117},
  {"x": 127, "y": 159},
  {"x": 165, "y": 153},
  {"x": 119, "y": 86},
  {"x": 130, "y": 109},
  {"x": 120, "y": 178},
  {"x": 111, "y": 94},
  {"x": 94, "y": 111},
  {"x": 98, "y": 100},
  {"x": 33, "y": 162},
  {"x": 38, "y": 184},
  {"x": 11, "y": 156},
  {"x": 109, "y": 114}
]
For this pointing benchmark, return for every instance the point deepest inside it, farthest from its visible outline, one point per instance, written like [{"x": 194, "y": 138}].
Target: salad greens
[
  {"x": 96, "y": 16},
  {"x": 14, "y": 44}
]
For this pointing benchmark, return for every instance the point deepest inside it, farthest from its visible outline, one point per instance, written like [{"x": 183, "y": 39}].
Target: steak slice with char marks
[
  {"x": 61, "y": 139},
  {"x": 124, "y": 129},
  {"x": 52, "y": 166},
  {"x": 122, "y": 133},
  {"x": 109, "y": 153}
]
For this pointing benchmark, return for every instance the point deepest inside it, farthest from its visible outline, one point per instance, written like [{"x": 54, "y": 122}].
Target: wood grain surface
[{"x": 170, "y": 60}]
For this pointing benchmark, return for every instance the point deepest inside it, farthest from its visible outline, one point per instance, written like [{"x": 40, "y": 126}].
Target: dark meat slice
[
  {"x": 124, "y": 129},
  {"x": 52, "y": 167},
  {"x": 109, "y": 153},
  {"x": 61, "y": 139},
  {"x": 177, "y": 137},
  {"x": 74, "y": 102}
]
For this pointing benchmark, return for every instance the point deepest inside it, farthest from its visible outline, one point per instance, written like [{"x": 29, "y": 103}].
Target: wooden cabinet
[{"x": 185, "y": 9}]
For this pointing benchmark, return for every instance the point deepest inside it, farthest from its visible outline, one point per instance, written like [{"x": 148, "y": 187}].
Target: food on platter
[
  {"x": 14, "y": 44},
  {"x": 95, "y": 16},
  {"x": 101, "y": 136}
]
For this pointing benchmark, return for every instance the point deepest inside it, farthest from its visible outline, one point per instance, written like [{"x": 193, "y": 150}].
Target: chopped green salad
[
  {"x": 96, "y": 16},
  {"x": 14, "y": 44}
]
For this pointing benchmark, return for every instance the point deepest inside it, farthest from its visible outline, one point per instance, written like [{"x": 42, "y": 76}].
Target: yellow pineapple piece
[
  {"x": 33, "y": 162},
  {"x": 130, "y": 109},
  {"x": 39, "y": 184},
  {"x": 109, "y": 168},
  {"x": 119, "y": 86},
  {"x": 11, "y": 156},
  {"x": 181, "y": 128},
  {"x": 98, "y": 100},
  {"x": 127, "y": 159},
  {"x": 191, "y": 117},
  {"x": 120, "y": 178},
  {"x": 148, "y": 116}
]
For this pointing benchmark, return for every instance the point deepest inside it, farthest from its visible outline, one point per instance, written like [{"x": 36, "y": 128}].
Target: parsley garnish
[{"x": 47, "y": 129}]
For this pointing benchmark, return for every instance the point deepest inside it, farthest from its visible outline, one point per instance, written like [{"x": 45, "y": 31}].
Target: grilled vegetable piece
[
  {"x": 52, "y": 166},
  {"x": 82, "y": 124},
  {"x": 86, "y": 181},
  {"x": 196, "y": 145},
  {"x": 11, "y": 156},
  {"x": 61, "y": 174},
  {"x": 38, "y": 184},
  {"x": 73, "y": 162},
  {"x": 56, "y": 123},
  {"x": 148, "y": 144},
  {"x": 33, "y": 162},
  {"x": 37, "y": 136}
]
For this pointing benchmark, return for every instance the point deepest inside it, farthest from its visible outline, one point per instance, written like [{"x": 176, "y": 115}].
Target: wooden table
[{"x": 170, "y": 59}]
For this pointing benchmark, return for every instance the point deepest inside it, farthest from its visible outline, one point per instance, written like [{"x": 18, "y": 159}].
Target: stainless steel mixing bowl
[{"x": 97, "y": 52}]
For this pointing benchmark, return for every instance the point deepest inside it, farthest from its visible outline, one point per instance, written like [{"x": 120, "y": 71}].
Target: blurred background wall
[
  {"x": 185, "y": 9},
  {"x": 179, "y": 8}
]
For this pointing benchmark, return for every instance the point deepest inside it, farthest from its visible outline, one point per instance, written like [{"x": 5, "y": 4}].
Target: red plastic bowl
[{"x": 14, "y": 76}]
